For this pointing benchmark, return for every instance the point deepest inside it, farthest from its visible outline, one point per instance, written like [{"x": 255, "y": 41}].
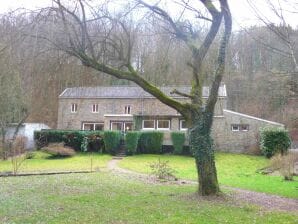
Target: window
[
  {"x": 183, "y": 125},
  {"x": 93, "y": 126},
  {"x": 116, "y": 126},
  {"x": 235, "y": 127},
  {"x": 128, "y": 126},
  {"x": 148, "y": 124},
  {"x": 239, "y": 127},
  {"x": 121, "y": 126},
  {"x": 127, "y": 109},
  {"x": 163, "y": 124},
  {"x": 95, "y": 108},
  {"x": 244, "y": 127},
  {"x": 74, "y": 108}
]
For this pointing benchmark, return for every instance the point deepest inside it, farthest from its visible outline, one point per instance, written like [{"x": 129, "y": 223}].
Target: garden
[{"x": 124, "y": 197}]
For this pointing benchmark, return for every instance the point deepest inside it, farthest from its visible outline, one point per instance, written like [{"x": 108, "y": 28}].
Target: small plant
[
  {"x": 162, "y": 171},
  {"x": 18, "y": 153},
  {"x": 285, "y": 164},
  {"x": 59, "y": 150}
]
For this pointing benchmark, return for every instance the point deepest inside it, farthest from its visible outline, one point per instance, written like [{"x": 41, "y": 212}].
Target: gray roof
[{"x": 128, "y": 92}]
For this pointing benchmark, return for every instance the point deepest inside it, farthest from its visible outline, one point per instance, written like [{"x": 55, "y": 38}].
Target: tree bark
[{"x": 201, "y": 144}]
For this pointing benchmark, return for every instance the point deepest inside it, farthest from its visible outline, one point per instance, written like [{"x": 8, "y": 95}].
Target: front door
[{"x": 121, "y": 126}]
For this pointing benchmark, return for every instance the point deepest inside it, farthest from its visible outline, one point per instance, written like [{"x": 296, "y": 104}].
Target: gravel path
[{"x": 239, "y": 196}]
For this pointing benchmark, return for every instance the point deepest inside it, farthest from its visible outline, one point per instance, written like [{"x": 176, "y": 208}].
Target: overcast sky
[{"x": 242, "y": 13}]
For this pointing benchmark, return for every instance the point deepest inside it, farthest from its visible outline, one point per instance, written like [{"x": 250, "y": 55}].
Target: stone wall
[
  {"x": 238, "y": 141},
  {"x": 145, "y": 106}
]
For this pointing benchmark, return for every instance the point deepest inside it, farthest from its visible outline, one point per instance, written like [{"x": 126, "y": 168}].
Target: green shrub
[
  {"x": 150, "y": 142},
  {"x": 178, "y": 139},
  {"x": 73, "y": 139},
  {"x": 131, "y": 142},
  {"x": 274, "y": 140},
  {"x": 112, "y": 141}
]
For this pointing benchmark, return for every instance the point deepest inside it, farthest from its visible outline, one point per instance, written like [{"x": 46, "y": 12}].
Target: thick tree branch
[
  {"x": 175, "y": 91},
  {"x": 210, "y": 104}
]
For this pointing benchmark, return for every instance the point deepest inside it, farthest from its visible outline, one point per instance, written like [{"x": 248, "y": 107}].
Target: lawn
[
  {"x": 42, "y": 162},
  {"x": 105, "y": 198},
  {"x": 234, "y": 170}
]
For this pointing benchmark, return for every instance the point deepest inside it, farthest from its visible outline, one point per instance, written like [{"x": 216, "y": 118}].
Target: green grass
[
  {"x": 234, "y": 170},
  {"x": 41, "y": 162},
  {"x": 104, "y": 198}
]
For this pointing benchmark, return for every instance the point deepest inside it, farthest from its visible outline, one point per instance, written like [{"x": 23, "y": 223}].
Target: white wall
[{"x": 27, "y": 130}]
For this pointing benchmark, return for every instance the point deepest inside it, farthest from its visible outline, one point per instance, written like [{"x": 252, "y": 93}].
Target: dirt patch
[{"x": 236, "y": 196}]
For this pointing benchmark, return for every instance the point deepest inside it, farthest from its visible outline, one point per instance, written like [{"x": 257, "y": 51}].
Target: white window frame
[
  {"x": 169, "y": 122},
  {"x": 127, "y": 109},
  {"x": 124, "y": 125},
  {"x": 235, "y": 125},
  {"x": 111, "y": 125},
  {"x": 148, "y": 128},
  {"x": 74, "y": 108},
  {"x": 95, "y": 108},
  {"x": 180, "y": 126},
  {"x": 91, "y": 123}
]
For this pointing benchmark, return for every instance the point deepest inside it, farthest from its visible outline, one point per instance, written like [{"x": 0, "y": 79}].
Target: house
[
  {"x": 129, "y": 107},
  {"x": 26, "y": 130}
]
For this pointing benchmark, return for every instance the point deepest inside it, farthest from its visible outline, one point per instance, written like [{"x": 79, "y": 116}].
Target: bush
[
  {"x": 178, "y": 139},
  {"x": 274, "y": 140},
  {"x": 73, "y": 139},
  {"x": 112, "y": 141},
  {"x": 285, "y": 164},
  {"x": 131, "y": 142},
  {"x": 58, "y": 150},
  {"x": 150, "y": 142}
]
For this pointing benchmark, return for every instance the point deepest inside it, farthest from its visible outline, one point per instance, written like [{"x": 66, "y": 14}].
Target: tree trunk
[{"x": 201, "y": 145}]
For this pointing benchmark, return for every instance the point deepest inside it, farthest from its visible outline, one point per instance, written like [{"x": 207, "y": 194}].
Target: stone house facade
[{"x": 115, "y": 108}]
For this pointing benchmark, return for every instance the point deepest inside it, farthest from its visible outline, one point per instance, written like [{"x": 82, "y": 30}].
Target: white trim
[
  {"x": 124, "y": 125},
  {"x": 92, "y": 123},
  {"x": 118, "y": 115},
  {"x": 180, "y": 126},
  {"x": 148, "y": 128},
  {"x": 235, "y": 125},
  {"x": 169, "y": 122},
  {"x": 116, "y": 122},
  {"x": 96, "y": 107},
  {"x": 75, "y": 107},
  {"x": 63, "y": 92},
  {"x": 251, "y": 117},
  {"x": 127, "y": 109}
]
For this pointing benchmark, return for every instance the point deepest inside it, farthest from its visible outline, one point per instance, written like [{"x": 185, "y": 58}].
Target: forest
[{"x": 261, "y": 66}]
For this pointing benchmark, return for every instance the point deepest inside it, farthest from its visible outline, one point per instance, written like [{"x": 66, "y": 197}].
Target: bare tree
[
  {"x": 285, "y": 34},
  {"x": 105, "y": 42}
]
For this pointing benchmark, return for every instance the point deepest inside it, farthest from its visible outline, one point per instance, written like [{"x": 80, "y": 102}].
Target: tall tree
[
  {"x": 286, "y": 35},
  {"x": 105, "y": 42}
]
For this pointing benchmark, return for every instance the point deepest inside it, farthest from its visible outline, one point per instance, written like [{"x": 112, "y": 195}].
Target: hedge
[
  {"x": 131, "y": 142},
  {"x": 73, "y": 139},
  {"x": 178, "y": 139},
  {"x": 150, "y": 142},
  {"x": 112, "y": 141},
  {"x": 274, "y": 140}
]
